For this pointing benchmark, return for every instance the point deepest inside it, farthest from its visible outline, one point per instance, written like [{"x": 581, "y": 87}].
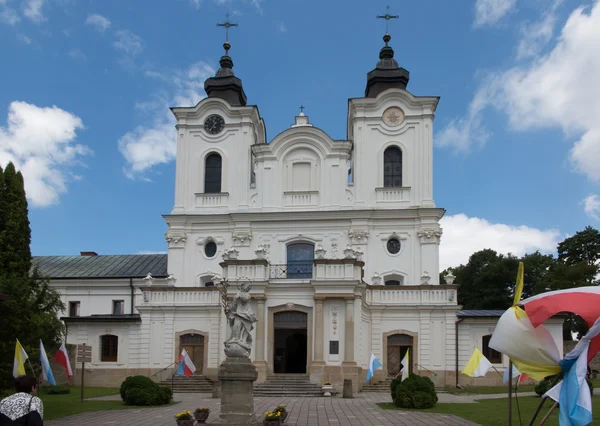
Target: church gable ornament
[
  {"x": 242, "y": 238},
  {"x": 176, "y": 239},
  {"x": 358, "y": 236},
  {"x": 430, "y": 235}
]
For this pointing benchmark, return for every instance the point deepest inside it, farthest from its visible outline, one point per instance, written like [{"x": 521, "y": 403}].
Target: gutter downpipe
[
  {"x": 132, "y": 293},
  {"x": 456, "y": 346}
]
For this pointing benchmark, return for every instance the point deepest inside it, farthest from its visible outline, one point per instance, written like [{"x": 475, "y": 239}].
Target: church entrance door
[
  {"x": 290, "y": 349},
  {"x": 194, "y": 345},
  {"x": 397, "y": 345}
]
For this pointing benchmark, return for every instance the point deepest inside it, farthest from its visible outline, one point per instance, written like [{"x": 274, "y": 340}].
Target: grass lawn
[
  {"x": 481, "y": 390},
  {"x": 494, "y": 412},
  {"x": 56, "y": 406}
]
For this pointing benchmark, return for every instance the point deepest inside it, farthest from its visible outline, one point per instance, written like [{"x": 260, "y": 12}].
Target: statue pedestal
[{"x": 237, "y": 376}]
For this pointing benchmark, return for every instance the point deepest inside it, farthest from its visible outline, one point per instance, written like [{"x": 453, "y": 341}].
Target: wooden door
[
  {"x": 393, "y": 360},
  {"x": 194, "y": 345}
]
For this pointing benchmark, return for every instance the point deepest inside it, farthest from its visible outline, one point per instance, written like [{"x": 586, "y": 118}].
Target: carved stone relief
[
  {"x": 176, "y": 239},
  {"x": 430, "y": 235},
  {"x": 241, "y": 238}
]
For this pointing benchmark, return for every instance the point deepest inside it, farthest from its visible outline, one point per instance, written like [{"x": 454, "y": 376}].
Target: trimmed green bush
[
  {"x": 393, "y": 386},
  {"x": 415, "y": 392},
  {"x": 542, "y": 387},
  {"x": 141, "y": 390},
  {"x": 57, "y": 390}
]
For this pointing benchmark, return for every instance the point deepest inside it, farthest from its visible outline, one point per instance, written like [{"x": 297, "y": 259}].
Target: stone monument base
[{"x": 237, "y": 376}]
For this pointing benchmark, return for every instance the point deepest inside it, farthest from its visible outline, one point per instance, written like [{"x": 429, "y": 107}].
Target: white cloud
[
  {"x": 77, "y": 53},
  {"x": 151, "y": 252},
  {"x": 24, "y": 38},
  {"x": 464, "y": 235},
  {"x": 98, "y": 22},
  {"x": 33, "y": 10},
  {"x": 591, "y": 206},
  {"x": 8, "y": 15},
  {"x": 41, "y": 143},
  {"x": 148, "y": 146},
  {"x": 196, "y": 3},
  {"x": 258, "y": 5},
  {"x": 128, "y": 42},
  {"x": 559, "y": 89},
  {"x": 489, "y": 12},
  {"x": 536, "y": 35},
  {"x": 281, "y": 27}
]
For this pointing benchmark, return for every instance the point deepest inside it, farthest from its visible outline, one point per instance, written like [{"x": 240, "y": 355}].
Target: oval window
[
  {"x": 393, "y": 246},
  {"x": 210, "y": 249}
]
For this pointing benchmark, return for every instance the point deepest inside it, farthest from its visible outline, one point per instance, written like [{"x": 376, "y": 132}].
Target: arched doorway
[
  {"x": 290, "y": 346},
  {"x": 397, "y": 345},
  {"x": 194, "y": 345}
]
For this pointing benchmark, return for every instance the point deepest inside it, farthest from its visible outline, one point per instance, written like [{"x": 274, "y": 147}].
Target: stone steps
[
  {"x": 287, "y": 385},
  {"x": 378, "y": 387},
  {"x": 192, "y": 384}
]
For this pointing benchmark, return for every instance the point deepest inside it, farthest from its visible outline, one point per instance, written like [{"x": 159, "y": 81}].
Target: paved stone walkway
[{"x": 359, "y": 411}]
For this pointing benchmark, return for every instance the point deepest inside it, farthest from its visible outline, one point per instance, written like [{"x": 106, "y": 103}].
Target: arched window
[
  {"x": 392, "y": 167},
  {"x": 392, "y": 282},
  {"x": 212, "y": 174},
  {"x": 109, "y": 348},
  {"x": 300, "y": 260}
]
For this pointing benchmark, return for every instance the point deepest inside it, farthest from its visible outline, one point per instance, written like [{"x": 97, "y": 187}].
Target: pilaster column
[
  {"x": 260, "y": 330},
  {"x": 349, "y": 335},
  {"x": 319, "y": 331},
  {"x": 259, "y": 349}
]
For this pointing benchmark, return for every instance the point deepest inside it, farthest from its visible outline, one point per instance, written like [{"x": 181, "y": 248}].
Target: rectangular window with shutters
[
  {"x": 118, "y": 307},
  {"x": 74, "y": 309}
]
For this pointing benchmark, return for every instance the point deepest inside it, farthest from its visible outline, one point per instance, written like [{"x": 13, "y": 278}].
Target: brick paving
[{"x": 359, "y": 411}]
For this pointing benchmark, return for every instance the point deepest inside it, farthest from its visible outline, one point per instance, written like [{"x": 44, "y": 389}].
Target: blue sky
[{"x": 86, "y": 87}]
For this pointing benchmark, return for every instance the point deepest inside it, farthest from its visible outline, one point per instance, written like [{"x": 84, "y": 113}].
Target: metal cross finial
[
  {"x": 387, "y": 17},
  {"x": 302, "y": 108},
  {"x": 227, "y": 25}
]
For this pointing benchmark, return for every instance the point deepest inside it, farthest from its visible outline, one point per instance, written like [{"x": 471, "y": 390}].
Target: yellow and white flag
[
  {"x": 20, "y": 358},
  {"x": 478, "y": 365},
  {"x": 405, "y": 366}
]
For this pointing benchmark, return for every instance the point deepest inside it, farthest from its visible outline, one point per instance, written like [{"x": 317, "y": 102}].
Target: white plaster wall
[
  {"x": 94, "y": 296},
  {"x": 89, "y": 333}
]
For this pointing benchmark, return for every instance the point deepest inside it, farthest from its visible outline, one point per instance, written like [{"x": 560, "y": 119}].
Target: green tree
[
  {"x": 584, "y": 246},
  {"x": 537, "y": 269},
  {"x": 15, "y": 234},
  {"x": 487, "y": 281},
  {"x": 32, "y": 312}
]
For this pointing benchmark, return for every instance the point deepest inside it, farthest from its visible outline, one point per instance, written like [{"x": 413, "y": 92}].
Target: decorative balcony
[
  {"x": 412, "y": 295},
  {"x": 393, "y": 195},
  {"x": 212, "y": 200},
  {"x": 291, "y": 270}
]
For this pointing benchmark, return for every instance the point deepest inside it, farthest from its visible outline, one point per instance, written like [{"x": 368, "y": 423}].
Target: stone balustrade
[
  {"x": 252, "y": 269},
  {"x": 411, "y": 295},
  {"x": 197, "y": 296},
  {"x": 338, "y": 269}
]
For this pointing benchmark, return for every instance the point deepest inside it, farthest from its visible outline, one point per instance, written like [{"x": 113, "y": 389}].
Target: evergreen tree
[
  {"x": 33, "y": 309},
  {"x": 15, "y": 235}
]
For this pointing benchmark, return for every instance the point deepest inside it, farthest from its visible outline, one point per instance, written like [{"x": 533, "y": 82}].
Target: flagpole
[
  {"x": 31, "y": 366},
  {"x": 510, "y": 369}
]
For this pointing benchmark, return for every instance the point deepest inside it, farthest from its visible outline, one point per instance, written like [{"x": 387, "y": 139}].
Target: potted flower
[
  {"x": 201, "y": 414},
  {"x": 272, "y": 418},
  {"x": 281, "y": 409},
  {"x": 327, "y": 388},
  {"x": 185, "y": 418}
]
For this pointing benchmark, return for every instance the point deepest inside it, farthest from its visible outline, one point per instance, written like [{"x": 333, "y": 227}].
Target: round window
[
  {"x": 393, "y": 246},
  {"x": 210, "y": 249}
]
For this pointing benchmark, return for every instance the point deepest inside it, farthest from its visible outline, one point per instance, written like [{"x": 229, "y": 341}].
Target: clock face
[
  {"x": 393, "y": 116},
  {"x": 214, "y": 124}
]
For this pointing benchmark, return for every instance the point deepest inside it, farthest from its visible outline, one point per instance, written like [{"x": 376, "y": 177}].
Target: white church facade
[{"x": 339, "y": 239}]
